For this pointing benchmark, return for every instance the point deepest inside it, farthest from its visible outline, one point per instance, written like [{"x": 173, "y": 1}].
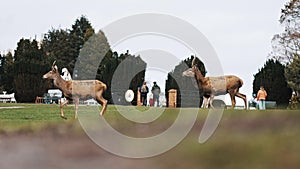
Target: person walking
[
  {"x": 155, "y": 91},
  {"x": 144, "y": 91},
  {"x": 261, "y": 98}
]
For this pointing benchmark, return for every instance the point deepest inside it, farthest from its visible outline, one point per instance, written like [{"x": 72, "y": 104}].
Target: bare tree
[{"x": 286, "y": 44}]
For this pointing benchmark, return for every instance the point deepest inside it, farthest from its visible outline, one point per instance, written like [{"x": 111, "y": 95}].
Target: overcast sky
[{"x": 239, "y": 30}]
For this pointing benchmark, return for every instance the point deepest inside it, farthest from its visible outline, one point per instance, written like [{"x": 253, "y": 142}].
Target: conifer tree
[{"x": 271, "y": 76}]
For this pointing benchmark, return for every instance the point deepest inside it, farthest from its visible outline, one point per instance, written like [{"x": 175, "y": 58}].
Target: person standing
[
  {"x": 155, "y": 91},
  {"x": 66, "y": 76},
  {"x": 261, "y": 98},
  {"x": 144, "y": 91}
]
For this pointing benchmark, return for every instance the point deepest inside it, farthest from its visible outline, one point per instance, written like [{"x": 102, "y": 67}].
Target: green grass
[
  {"x": 243, "y": 139},
  {"x": 30, "y": 116}
]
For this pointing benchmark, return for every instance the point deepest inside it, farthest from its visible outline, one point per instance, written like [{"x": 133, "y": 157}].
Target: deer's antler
[{"x": 53, "y": 63}]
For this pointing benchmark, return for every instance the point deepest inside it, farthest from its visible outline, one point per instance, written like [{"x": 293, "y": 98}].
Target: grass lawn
[{"x": 243, "y": 139}]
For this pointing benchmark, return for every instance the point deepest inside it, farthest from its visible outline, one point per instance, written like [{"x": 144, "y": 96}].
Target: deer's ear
[{"x": 54, "y": 68}]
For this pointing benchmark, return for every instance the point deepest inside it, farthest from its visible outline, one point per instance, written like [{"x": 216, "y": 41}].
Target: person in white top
[{"x": 66, "y": 76}]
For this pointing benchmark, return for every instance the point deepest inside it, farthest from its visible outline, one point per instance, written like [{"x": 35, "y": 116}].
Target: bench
[
  {"x": 7, "y": 98},
  {"x": 269, "y": 105}
]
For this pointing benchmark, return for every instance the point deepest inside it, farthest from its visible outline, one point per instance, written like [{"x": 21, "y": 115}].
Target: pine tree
[
  {"x": 2, "y": 60},
  {"x": 7, "y": 63},
  {"x": 82, "y": 30},
  {"x": 29, "y": 66},
  {"x": 271, "y": 76},
  {"x": 97, "y": 61},
  {"x": 59, "y": 45}
]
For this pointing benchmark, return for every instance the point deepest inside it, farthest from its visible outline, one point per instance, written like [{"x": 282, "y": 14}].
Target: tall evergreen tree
[
  {"x": 64, "y": 45},
  {"x": 83, "y": 30},
  {"x": 6, "y": 79},
  {"x": 29, "y": 66},
  {"x": 2, "y": 60},
  {"x": 95, "y": 50},
  {"x": 97, "y": 61},
  {"x": 129, "y": 73},
  {"x": 271, "y": 76},
  {"x": 59, "y": 45}
]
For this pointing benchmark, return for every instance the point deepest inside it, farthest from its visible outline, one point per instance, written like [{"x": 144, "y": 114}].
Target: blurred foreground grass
[{"x": 243, "y": 139}]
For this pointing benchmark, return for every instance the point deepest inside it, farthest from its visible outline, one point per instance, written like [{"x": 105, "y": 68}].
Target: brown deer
[
  {"x": 213, "y": 86},
  {"x": 77, "y": 89}
]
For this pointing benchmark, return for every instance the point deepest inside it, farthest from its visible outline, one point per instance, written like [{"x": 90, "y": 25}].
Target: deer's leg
[
  {"x": 232, "y": 97},
  {"x": 61, "y": 108},
  {"x": 76, "y": 107},
  {"x": 233, "y": 102},
  {"x": 205, "y": 100},
  {"x": 242, "y": 96},
  {"x": 102, "y": 101},
  {"x": 211, "y": 99}
]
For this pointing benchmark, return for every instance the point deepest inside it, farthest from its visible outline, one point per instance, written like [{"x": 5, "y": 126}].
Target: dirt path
[{"x": 12, "y": 107}]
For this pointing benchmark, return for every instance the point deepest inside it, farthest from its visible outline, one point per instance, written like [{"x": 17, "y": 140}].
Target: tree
[
  {"x": 292, "y": 74},
  {"x": 271, "y": 76},
  {"x": 97, "y": 61},
  {"x": 185, "y": 86},
  {"x": 287, "y": 44},
  {"x": 59, "y": 45},
  {"x": 82, "y": 30},
  {"x": 2, "y": 60},
  {"x": 64, "y": 45},
  {"x": 6, "y": 71},
  {"x": 29, "y": 66},
  {"x": 121, "y": 73},
  {"x": 95, "y": 50},
  {"x": 129, "y": 73}
]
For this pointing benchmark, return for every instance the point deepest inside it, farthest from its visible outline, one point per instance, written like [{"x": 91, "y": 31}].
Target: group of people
[
  {"x": 155, "y": 91},
  {"x": 259, "y": 99}
]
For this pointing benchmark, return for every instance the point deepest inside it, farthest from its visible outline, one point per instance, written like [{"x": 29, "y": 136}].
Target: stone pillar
[{"x": 172, "y": 98}]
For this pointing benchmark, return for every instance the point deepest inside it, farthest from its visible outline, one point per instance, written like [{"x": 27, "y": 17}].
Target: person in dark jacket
[
  {"x": 144, "y": 91},
  {"x": 155, "y": 91}
]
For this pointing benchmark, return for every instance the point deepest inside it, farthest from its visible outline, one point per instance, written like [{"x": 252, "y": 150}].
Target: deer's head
[
  {"x": 52, "y": 73},
  {"x": 190, "y": 72}
]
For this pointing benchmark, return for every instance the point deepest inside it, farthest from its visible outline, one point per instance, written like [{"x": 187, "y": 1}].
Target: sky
[{"x": 240, "y": 31}]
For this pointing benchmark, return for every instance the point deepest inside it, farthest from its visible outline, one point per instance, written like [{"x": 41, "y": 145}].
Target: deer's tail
[{"x": 241, "y": 82}]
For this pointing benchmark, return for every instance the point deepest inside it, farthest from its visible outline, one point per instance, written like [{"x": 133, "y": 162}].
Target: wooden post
[
  {"x": 172, "y": 98},
  {"x": 139, "y": 103}
]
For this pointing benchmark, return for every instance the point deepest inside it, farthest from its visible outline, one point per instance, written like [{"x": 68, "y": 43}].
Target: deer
[
  {"x": 77, "y": 89},
  {"x": 214, "y": 86}
]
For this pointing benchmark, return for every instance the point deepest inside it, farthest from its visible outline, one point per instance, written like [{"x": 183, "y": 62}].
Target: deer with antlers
[
  {"x": 77, "y": 89},
  {"x": 214, "y": 86}
]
